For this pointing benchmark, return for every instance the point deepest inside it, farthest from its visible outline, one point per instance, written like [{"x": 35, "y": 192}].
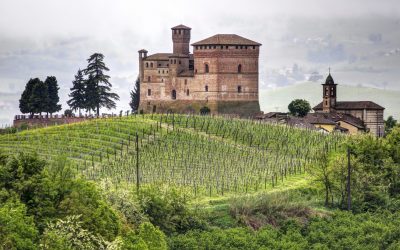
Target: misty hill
[{"x": 278, "y": 99}]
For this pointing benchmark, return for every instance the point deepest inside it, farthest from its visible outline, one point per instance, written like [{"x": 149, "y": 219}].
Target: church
[
  {"x": 350, "y": 116},
  {"x": 221, "y": 74}
]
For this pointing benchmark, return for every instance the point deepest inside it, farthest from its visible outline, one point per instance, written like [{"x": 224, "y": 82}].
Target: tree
[
  {"x": 100, "y": 94},
  {"x": 135, "y": 96},
  {"x": 25, "y": 105},
  {"x": 39, "y": 97},
  {"x": 390, "y": 123},
  {"x": 77, "y": 95},
  {"x": 299, "y": 107},
  {"x": 52, "y": 92}
]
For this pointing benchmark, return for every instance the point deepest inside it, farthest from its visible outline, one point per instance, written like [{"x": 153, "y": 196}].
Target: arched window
[
  {"x": 174, "y": 61},
  {"x": 206, "y": 88},
  {"x": 239, "y": 68},
  {"x": 147, "y": 65},
  {"x": 239, "y": 88},
  {"x": 149, "y": 78},
  {"x": 151, "y": 65},
  {"x": 173, "y": 94},
  {"x": 149, "y": 92},
  {"x": 187, "y": 92},
  {"x": 206, "y": 68}
]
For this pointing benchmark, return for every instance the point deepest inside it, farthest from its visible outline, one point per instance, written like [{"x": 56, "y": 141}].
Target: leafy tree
[
  {"x": 52, "y": 95},
  {"x": 135, "y": 96},
  {"x": 299, "y": 107},
  {"x": 77, "y": 95},
  {"x": 25, "y": 105},
  {"x": 152, "y": 236},
  {"x": 17, "y": 229},
  {"x": 39, "y": 97},
  {"x": 390, "y": 123},
  {"x": 100, "y": 94}
]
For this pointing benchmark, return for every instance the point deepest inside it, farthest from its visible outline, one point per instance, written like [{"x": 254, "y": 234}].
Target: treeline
[
  {"x": 39, "y": 96},
  {"x": 91, "y": 91}
]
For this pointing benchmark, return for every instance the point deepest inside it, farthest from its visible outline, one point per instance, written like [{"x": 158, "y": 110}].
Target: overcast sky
[{"x": 358, "y": 39}]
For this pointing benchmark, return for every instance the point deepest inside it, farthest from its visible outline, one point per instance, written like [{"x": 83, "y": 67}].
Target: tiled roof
[
  {"x": 159, "y": 57},
  {"x": 226, "y": 39},
  {"x": 353, "y": 105},
  {"x": 181, "y": 26}
]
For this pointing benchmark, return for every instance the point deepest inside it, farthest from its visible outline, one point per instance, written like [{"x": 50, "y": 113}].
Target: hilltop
[{"x": 278, "y": 99}]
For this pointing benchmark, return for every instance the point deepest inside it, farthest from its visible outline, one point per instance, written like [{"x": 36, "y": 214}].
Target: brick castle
[{"x": 222, "y": 74}]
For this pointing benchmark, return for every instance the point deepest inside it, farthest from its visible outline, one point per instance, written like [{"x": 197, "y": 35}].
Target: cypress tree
[
  {"x": 91, "y": 95},
  {"x": 135, "y": 96},
  {"x": 101, "y": 95},
  {"x": 39, "y": 97},
  {"x": 25, "y": 105},
  {"x": 52, "y": 95},
  {"x": 77, "y": 94}
]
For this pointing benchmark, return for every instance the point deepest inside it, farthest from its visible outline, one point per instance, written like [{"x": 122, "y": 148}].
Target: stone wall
[{"x": 42, "y": 122}]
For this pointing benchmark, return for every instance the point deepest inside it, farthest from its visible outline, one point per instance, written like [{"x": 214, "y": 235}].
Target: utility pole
[
  {"x": 137, "y": 163},
  {"x": 348, "y": 181}
]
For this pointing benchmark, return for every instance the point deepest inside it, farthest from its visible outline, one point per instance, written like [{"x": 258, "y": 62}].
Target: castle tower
[
  {"x": 181, "y": 39},
  {"x": 142, "y": 55},
  {"x": 329, "y": 95}
]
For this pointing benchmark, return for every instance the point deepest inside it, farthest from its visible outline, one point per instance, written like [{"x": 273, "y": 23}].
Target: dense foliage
[
  {"x": 299, "y": 107},
  {"x": 135, "y": 96}
]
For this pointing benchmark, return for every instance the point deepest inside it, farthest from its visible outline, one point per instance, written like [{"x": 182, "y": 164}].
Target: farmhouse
[{"x": 221, "y": 74}]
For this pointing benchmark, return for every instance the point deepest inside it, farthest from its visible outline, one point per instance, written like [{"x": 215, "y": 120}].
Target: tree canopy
[
  {"x": 135, "y": 96},
  {"x": 299, "y": 107}
]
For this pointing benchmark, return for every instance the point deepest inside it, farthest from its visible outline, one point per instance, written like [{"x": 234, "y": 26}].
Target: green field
[{"x": 204, "y": 155}]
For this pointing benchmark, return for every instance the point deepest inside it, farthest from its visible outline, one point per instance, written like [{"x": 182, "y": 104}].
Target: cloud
[{"x": 329, "y": 53}]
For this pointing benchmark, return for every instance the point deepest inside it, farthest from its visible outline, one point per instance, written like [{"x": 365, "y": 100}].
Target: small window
[
  {"x": 239, "y": 68},
  {"x": 159, "y": 65},
  {"x": 241, "y": 47},
  {"x": 187, "y": 92},
  {"x": 154, "y": 108},
  {"x": 185, "y": 81},
  {"x": 245, "y": 47},
  {"x": 174, "y": 61},
  {"x": 215, "y": 47},
  {"x": 159, "y": 72},
  {"x": 179, "y": 32},
  {"x": 206, "y": 88},
  {"x": 180, "y": 62},
  {"x": 162, "y": 79},
  {"x": 173, "y": 94},
  {"x": 174, "y": 31},
  {"x": 163, "y": 71},
  {"x": 167, "y": 71},
  {"x": 149, "y": 78},
  {"x": 222, "y": 47},
  {"x": 195, "y": 71},
  {"x": 151, "y": 65},
  {"x": 237, "y": 47},
  {"x": 171, "y": 61},
  {"x": 149, "y": 92},
  {"x": 254, "y": 47},
  {"x": 227, "y": 47},
  {"x": 207, "y": 70},
  {"x": 147, "y": 65},
  {"x": 239, "y": 89}
]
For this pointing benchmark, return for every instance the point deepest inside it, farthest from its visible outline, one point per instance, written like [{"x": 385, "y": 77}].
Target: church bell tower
[{"x": 329, "y": 94}]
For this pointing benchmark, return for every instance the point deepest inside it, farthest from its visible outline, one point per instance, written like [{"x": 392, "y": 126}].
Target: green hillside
[
  {"x": 278, "y": 99},
  {"x": 202, "y": 154}
]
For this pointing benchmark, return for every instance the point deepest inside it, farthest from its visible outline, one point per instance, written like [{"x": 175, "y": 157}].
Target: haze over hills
[{"x": 278, "y": 99}]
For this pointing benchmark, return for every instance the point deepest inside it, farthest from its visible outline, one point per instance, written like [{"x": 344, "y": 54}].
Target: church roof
[
  {"x": 181, "y": 26},
  {"x": 353, "y": 105},
  {"x": 226, "y": 39},
  {"x": 329, "y": 80}
]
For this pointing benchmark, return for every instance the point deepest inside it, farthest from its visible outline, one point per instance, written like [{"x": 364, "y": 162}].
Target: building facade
[
  {"x": 369, "y": 113},
  {"x": 221, "y": 74}
]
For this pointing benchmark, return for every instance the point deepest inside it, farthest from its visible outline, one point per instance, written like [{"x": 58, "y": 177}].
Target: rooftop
[
  {"x": 181, "y": 26},
  {"x": 353, "y": 105},
  {"x": 226, "y": 39}
]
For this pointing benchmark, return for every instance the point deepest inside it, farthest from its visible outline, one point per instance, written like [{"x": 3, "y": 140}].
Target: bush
[{"x": 205, "y": 110}]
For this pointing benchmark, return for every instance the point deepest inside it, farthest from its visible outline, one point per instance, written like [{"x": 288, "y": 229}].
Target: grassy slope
[{"x": 278, "y": 99}]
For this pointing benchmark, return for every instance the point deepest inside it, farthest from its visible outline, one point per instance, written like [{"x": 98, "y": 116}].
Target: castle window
[
  {"x": 151, "y": 65},
  {"x": 239, "y": 68},
  {"x": 159, "y": 65},
  {"x": 215, "y": 47},
  {"x": 207, "y": 70},
  {"x": 245, "y": 47},
  {"x": 149, "y": 92},
  {"x": 237, "y": 47},
  {"x": 171, "y": 61},
  {"x": 254, "y": 47},
  {"x": 185, "y": 81},
  {"x": 180, "y": 62},
  {"x": 154, "y": 108},
  {"x": 174, "y": 31},
  {"x": 227, "y": 47},
  {"x": 147, "y": 65},
  {"x": 222, "y": 47},
  {"x": 158, "y": 72},
  {"x": 187, "y": 92},
  {"x": 241, "y": 47},
  {"x": 239, "y": 89},
  {"x": 149, "y": 78},
  {"x": 173, "y": 94},
  {"x": 174, "y": 61},
  {"x": 162, "y": 79},
  {"x": 179, "y": 32},
  {"x": 206, "y": 88},
  {"x": 167, "y": 71},
  {"x": 163, "y": 71},
  {"x": 167, "y": 65},
  {"x": 195, "y": 71}
]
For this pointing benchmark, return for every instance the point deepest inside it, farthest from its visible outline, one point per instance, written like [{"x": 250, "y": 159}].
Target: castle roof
[
  {"x": 353, "y": 105},
  {"x": 226, "y": 39},
  {"x": 181, "y": 26},
  {"x": 159, "y": 57}
]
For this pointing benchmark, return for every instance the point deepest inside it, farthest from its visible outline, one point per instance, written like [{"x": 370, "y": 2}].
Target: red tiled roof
[
  {"x": 226, "y": 39},
  {"x": 353, "y": 105},
  {"x": 159, "y": 57}
]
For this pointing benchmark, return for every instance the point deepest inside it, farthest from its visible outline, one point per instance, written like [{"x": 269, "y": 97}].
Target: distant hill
[{"x": 278, "y": 99}]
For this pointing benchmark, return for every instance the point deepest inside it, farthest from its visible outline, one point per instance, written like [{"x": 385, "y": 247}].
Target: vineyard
[{"x": 203, "y": 154}]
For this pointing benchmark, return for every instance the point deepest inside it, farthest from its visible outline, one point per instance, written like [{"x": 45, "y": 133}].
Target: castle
[{"x": 221, "y": 74}]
